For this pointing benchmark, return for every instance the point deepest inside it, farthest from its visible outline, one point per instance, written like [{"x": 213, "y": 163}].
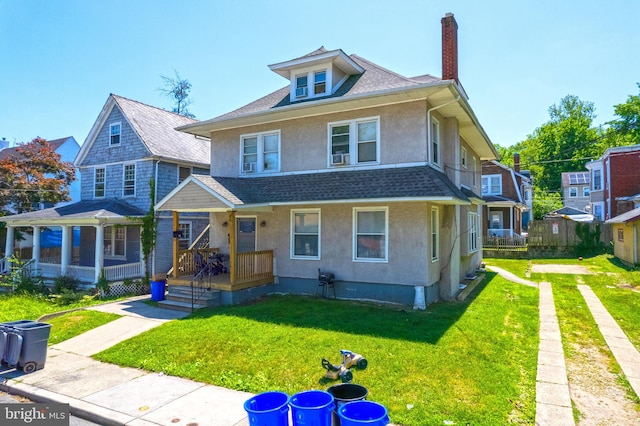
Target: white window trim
[
  {"x": 113, "y": 239},
  {"x": 355, "y": 257},
  {"x": 463, "y": 157},
  {"x": 585, "y": 191},
  {"x": 104, "y": 183},
  {"x": 353, "y": 141},
  {"x": 435, "y": 231},
  {"x": 259, "y": 168},
  {"x": 473, "y": 232},
  {"x": 474, "y": 171},
  {"x": 573, "y": 192},
  {"x": 135, "y": 176},
  {"x": 293, "y": 234},
  {"x": 119, "y": 134},
  {"x": 438, "y": 139},
  {"x": 310, "y": 72},
  {"x": 593, "y": 179},
  {"x": 489, "y": 186}
]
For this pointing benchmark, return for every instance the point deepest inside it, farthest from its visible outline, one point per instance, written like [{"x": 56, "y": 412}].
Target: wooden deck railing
[
  {"x": 254, "y": 265},
  {"x": 512, "y": 243},
  {"x": 186, "y": 265}
]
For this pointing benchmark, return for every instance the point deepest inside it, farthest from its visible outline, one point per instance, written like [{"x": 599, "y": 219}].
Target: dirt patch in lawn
[
  {"x": 596, "y": 391},
  {"x": 560, "y": 269}
]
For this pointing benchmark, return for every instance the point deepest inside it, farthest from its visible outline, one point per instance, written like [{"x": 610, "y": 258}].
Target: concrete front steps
[{"x": 179, "y": 298}]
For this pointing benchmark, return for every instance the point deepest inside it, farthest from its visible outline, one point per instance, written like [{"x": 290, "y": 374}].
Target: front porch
[{"x": 247, "y": 270}]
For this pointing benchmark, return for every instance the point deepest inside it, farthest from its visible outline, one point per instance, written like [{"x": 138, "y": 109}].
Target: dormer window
[
  {"x": 301, "y": 86},
  {"x": 319, "y": 82}
]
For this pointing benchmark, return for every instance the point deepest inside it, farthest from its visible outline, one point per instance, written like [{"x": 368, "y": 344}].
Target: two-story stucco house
[
  {"x": 349, "y": 168},
  {"x": 575, "y": 190},
  {"x": 129, "y": 145}
]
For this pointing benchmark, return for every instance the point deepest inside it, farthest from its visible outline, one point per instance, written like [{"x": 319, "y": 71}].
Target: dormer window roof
[{"x": 319, "y": 73}]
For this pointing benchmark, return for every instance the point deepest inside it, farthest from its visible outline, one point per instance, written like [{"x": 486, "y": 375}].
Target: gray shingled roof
[
  {"x": 630, "y": 216},
  {"x": 156, "y": 128},
  {"x": 386, "y": 183},
  {"x": 86, "y": 209},
  {"x": 374, "y": 79}
]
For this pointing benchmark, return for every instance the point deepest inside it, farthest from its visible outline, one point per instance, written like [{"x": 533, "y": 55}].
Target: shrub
[
  {"x": 67, "y": 297},
  {"x": 65, "y": 282}
]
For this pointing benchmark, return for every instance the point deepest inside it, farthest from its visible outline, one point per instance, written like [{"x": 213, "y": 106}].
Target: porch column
[
  {"x": 511, "y": 223},
  {"x": 176, "y": 243},
  {"x": 232, "y": 247},
  {"x": 8, "y": 248},
  {"x": 99, "y": 252},
  {"x": 66, "y": 250},
  {"x": 36, "y": 245}
]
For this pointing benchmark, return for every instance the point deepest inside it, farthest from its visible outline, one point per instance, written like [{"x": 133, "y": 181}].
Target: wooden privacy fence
[{"x": 560, "y": 232}]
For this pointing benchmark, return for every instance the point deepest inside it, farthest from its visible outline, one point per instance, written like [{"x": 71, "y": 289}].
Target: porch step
[{"x": 179, "y": 298}]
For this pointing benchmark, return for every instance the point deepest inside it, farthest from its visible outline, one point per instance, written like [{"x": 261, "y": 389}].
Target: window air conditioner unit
[
  {"x": 249, "y": 167},
  {"x": 337, "y": 159},
  {"x": 301, "y": 91}
]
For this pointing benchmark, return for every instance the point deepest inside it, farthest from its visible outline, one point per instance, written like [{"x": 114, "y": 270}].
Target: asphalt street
[{"x": 5, "y": 398}]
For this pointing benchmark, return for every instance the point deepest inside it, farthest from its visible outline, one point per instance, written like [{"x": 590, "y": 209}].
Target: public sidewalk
[{"x": 111, "y": 395}]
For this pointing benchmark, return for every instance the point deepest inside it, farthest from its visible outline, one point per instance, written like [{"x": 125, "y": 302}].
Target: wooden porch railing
[
  {"x": 512, "y": 243},
  {"x": 186, "y": 265},
  {"x": 254, "y": 265}
]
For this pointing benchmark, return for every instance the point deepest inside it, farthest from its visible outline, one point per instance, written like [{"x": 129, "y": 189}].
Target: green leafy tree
[
  {"x": 545, "y": 202},
  {"x": 626, "y": 129}
]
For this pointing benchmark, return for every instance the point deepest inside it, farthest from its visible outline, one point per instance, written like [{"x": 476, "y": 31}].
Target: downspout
[
  {"x": 429, "y": 125},
  {"x": 155, "y": 201}
]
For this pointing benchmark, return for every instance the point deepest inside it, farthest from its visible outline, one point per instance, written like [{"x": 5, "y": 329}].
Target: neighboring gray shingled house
[
  {"x": 129, "y": 145},
  {"x": 350, "y": 168}
]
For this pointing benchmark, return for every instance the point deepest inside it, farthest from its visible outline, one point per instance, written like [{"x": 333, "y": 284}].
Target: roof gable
[{"x": 155, "y": 128}]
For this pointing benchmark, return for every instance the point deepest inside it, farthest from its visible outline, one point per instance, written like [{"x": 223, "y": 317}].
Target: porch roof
[
  {"x": 86, "y": 212},
  {"x": 418, "y": 183}
]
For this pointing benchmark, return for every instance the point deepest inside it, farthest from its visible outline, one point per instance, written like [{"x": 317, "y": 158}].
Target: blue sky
[{"x": 60, "y": 60}]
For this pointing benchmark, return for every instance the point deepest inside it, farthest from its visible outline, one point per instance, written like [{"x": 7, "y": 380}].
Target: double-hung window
[
  {"x": 473, "y": 232},
  {"x": 597, "y": 179},
  {"x": 370, "y": 230},
  {"x": 573, "y": 192},
  {"x": 319, "y": 82},
  {"x": 260, "y": 153},
  {"x": 435, "y": 234},
  {"x": 115, "y": 238},
  {"x": 301, "y": 86},
  {"x": 305, "y": 234},
  {"x": 115, "y": 130},
  {"x": 129, "y": 187},
  {"x": 492, "y": 185},
  {"x": 354, "y": 142},
  {"x": 435, "y": 142},
  {"x": 585, "y": 191},
  {"x": 99, "y": 182},
  {"x": 463, "y": 157}
]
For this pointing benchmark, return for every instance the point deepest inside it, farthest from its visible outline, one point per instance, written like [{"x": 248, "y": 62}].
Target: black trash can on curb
[
  {"x": 25, "y": 344},
  {"x": 343, "y": 393}
]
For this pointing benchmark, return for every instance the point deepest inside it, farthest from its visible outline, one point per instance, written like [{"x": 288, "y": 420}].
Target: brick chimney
[
  {"x": 516, "y": 162},
  {"x": 449, "y": 48}
]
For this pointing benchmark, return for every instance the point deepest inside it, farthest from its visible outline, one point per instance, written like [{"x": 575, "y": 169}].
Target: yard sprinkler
[{"x": 342, "y": 371}]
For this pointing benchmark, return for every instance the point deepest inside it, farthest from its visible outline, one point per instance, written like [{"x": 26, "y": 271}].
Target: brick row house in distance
[
  {"x": 129, "y": 145},
  {"x": 615, "y": 182},
  {"x": 350, "y": 168}
]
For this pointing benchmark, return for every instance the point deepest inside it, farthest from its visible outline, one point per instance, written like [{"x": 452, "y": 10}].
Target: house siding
[
  {"x": 627, "y": 250},
  {"x": 624, "y": 179},
  {"x": 304, "y": 143}
]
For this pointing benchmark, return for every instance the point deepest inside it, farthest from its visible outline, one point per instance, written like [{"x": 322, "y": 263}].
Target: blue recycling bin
[
  {"x": 311, "y": 408},
  {"x": 359, "y": 413},
  {"x": 157, "y": 290},
  {"x": 268, "y": 409}
]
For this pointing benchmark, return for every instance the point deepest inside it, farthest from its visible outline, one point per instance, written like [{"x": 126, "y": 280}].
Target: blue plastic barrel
[
  {"x": 360, "y": 413},
  {"x": 157, "y": 290},
  {"x": 268, "y": 409},
  {"x": 311, "y": 408}
]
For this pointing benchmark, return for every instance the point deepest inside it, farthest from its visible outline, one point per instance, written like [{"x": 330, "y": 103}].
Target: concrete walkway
[
  {"x": 623, "y": 350},
  {"x": 111, "y": 395},
  {"x": 553, "y": 400}
]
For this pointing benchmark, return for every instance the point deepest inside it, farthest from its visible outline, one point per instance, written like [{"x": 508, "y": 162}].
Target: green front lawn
[
  {"x": 77, "y": 322},
  {"x": 471, "y": 362},
  {"x": 26, "y": 306}
]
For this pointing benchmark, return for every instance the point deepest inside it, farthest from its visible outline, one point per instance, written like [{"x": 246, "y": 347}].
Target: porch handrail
[
  {"x": 4, "y": 265},
  {"x": 254, "y": 265},
  {"x": 186, "y": 265},
  {"x": 196, "y": 243}
]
